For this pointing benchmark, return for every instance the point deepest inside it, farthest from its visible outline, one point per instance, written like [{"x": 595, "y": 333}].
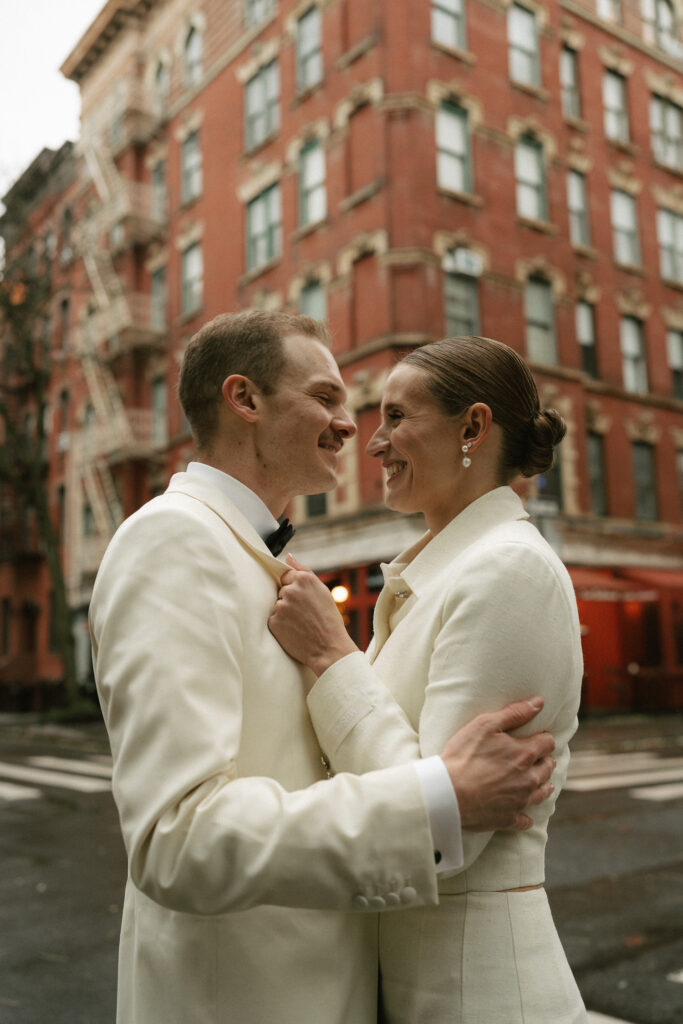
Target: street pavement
[{"x": 614, "y": 879}]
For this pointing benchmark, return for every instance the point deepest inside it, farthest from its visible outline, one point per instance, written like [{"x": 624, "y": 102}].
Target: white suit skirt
[{"x": 477, "y": 958}]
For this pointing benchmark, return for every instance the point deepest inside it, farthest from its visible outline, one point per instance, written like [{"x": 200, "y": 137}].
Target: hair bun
[{"x": 546, "y": 430}]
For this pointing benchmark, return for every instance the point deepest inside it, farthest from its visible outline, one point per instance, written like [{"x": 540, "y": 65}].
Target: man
[{"x": 253, "y": 879}]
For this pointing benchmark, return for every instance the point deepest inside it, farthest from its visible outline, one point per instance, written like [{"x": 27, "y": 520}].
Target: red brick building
[{"x": 405, "y": 171}]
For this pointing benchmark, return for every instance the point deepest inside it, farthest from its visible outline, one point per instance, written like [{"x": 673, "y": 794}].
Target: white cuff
[{"x": 443, "y": 811}]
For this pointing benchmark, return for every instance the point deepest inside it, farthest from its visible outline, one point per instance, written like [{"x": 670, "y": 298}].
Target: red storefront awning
[
  {"x": 592, "y": 584},
  {"x": 662, "y": 579}
]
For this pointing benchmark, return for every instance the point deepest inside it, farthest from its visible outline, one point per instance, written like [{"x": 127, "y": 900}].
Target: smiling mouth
[
  {"x": 329, "y": 447},
  {"x": 394, "y": 468}
]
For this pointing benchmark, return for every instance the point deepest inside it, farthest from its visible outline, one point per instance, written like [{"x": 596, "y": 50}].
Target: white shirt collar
[{"x": 248, "y": 503}]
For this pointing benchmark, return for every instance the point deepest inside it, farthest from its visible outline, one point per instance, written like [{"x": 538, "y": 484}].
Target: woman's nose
[{"x": 377, "y": 443}]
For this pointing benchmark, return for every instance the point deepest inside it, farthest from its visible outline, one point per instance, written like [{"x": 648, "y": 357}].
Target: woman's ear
[
  {"x": 478, "y": 422},
  {"x": 241, "y": 396}
]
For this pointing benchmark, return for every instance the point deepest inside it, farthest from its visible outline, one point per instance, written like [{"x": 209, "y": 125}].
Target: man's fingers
[{"x": 515, "y": 715}]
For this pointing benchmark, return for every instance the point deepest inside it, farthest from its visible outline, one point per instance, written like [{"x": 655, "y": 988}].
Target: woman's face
[{"x": 420, "y": 448}]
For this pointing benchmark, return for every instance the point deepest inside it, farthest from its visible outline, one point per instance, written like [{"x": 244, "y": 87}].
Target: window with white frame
[
  {"x": 158, "y": 402},
  {"x": 585, "y": 335},
  {"x": 539, "y": 317},
  {"x": 577, "y": 201},
  {"x": 264, "y": 228},
  {"x": 523, "y": 50},
  {"x": 159, "y": 296},
  {"x": 666, "y": 132},
  {"x": 453, "y": 163},
  {"x": 256, "y": 11},
  {"x": 615, "y": 108},
  {"x": 625, "y": 236},
  {"x": 312, "y": 192},
  {"x": 461, "y": 301},
  {"x": 644, "y": 481},
  {"x": 162, "y": 83},
  {"x": 309, "y": 49},
  {"x": 192, "y": 279},
  {"x": 262, "y": 105},
  {"x": 633, "y": 362},
  {"x": 192, "y": 57},
  {"x": 191, "y": 168},
  {"x": 158, "y": 180},
  {"x": 659, "y": 23},
  {"x": 610, "y": 10},
  {"x": 569, "y": 82},
  {"x": 313, "y": 300},
  {"x": 530, "y": 178},
  {"x": 448, "y": 23},
  {"x": 596, "y": 473},
  {"x": 670, "y": 238},
  {"x": 674, "y": 350}
]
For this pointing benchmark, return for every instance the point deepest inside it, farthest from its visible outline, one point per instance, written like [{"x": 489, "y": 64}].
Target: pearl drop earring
[{"x": 467, "y": 461}]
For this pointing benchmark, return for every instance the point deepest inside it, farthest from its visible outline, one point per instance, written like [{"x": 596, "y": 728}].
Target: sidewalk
[{"x": 614, "y": 733}]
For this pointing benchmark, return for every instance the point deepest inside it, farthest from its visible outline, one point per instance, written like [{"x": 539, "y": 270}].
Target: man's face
[{"x": 304, "y": 422}]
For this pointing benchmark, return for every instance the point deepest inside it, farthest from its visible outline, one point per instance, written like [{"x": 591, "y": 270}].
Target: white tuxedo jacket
[
  {"x": 482, "y": 614},
  {"x": 247, "y": 868}
]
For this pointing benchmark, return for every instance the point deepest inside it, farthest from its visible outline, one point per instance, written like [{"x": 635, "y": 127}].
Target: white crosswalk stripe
[
  {"x": 41, "y": 773},
  {"x": 646, "y": 774}
]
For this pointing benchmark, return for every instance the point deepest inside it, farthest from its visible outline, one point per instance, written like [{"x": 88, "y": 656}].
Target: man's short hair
[{"x": 248, "y": 343}]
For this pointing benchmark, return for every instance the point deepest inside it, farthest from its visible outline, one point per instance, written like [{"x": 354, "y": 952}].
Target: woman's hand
[{"x": 306, "y": 622}]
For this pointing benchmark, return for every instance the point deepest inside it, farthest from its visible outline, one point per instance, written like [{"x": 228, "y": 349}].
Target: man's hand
[{"x": 494, "y": 775}]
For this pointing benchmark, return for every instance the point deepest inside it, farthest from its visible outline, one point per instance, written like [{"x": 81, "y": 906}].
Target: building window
[
  {"x": 577, "y": 201},
  {"x": 162, "y": 84},
  {"x": 625, "y": 228},
  {"x": 659, "y": 24},
  {"x": 610, "y": 10},
  {"x": 569, "y": 82},
  {"x": 674, "y": 348},
  {"x": 679, "y": 470},
  {"x": 523, "y": 55},
  {"x": 309, "y": 49},
  {"x": 666, "y": 132},
  {"x": 614, "y": 107},
  {"x": 256, "y": 11},
  {"x": 89, "y": 527},
  {"x": 312, "y": 195},
  {"x": 596, "y": 473},
  {"x": 159, "y": 296},
  {"x": 529, "y": 174},
  {"x": 670, "y": 237},
  {"x": 264, "y": 228},
  {"x": 159, "y": 190},
  {"x": 540, "y": 322},
  {"x": 585, "y": 335},
  {"x": 191, "y": 169},
  {"x": 633, "y": 362},
  {"x": 192, "y": 279},
  {"x": 158, "y": 399},
  {"x": 192, "y": 57},
  {"x": 644, "y": 481},
  {"x": 64, "y": 322},
  {"x": 316, "y": 505},
  {"x": 262, "y": 105},
  {"x": 461, "y": 305},
  {"x": 313, "y": 300},
  {"x": 453, "y": 166},
  {"x": 448, "y": 23}
]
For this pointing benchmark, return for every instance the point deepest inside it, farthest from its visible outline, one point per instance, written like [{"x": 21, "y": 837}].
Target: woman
[{"x": 480, "y": 611}]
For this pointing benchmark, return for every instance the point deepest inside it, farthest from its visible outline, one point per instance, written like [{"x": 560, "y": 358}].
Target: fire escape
[{"x": 120, "y": 324}]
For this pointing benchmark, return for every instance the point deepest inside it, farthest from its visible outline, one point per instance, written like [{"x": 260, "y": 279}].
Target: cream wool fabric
[
  {"x": 482, "y": 614},
  {"x": 243, "y": 862}
]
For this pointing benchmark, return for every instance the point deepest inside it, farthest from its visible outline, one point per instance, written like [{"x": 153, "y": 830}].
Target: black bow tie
[{"x": 276, "y": 540}]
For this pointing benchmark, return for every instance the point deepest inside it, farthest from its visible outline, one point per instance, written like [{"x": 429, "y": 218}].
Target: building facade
[{"x": 405, "y": 171}]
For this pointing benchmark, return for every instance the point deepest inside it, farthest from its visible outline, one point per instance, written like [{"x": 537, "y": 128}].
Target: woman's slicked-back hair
[
  {"x": 248, "y": 343},
  {"x": 463, "y": 371}
]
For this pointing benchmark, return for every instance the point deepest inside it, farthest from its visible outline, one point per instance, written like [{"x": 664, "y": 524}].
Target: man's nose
[{"x": 344, "y": 425}]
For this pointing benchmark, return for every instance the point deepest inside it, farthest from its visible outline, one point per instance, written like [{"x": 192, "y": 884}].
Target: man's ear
[{"x": 241, "y": 396}]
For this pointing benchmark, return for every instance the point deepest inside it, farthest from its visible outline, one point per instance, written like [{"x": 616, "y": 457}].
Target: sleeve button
[
  {"x": 360, "y": 902},
  {"x": 408, "y": 894},
  {"x": 377, "y": 903}
]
